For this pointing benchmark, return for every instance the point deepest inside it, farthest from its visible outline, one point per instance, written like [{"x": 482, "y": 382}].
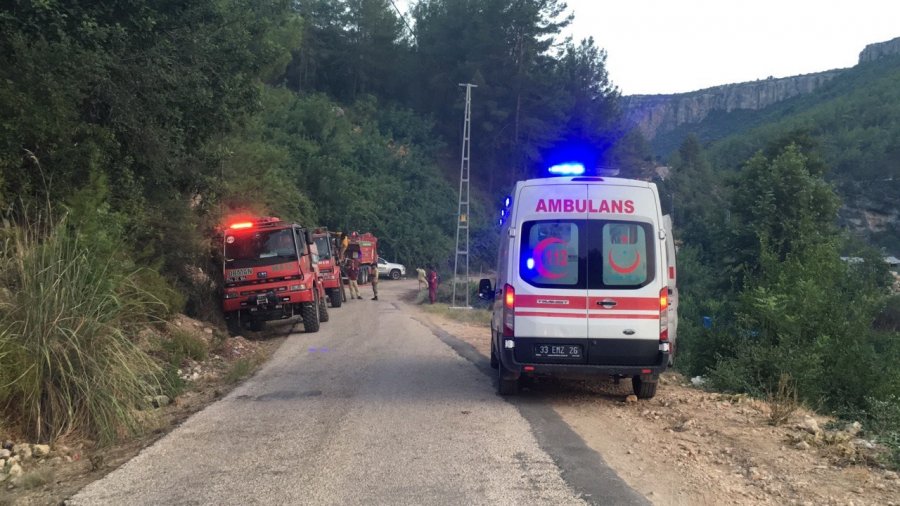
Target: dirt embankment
[
  {"x": 71, "y": 463},
  {"x": 689, "y": 446}
]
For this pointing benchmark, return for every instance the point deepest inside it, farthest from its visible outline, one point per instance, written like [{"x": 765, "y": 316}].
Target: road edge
[{"x": 581, "y": 467}]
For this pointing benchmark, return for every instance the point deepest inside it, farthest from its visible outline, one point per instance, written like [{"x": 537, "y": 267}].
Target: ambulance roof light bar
[{"x": 567, "y": 169}]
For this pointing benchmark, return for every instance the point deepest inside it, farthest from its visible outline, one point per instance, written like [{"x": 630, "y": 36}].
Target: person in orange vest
[{"x": 432, "y": 284}]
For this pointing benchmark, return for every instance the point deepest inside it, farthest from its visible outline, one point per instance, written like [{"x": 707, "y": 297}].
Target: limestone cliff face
[
  {"x": 654, "y": 114},
  {"x": 873, "y": 52}
]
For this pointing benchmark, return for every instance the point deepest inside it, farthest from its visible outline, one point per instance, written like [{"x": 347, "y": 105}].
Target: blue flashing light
[
  {"x": 567, "y": 169},
  {"x": 501, "y": 222},
  {"x": 503, "y": 213},
  {"x": 507, "y": 201},
  {"x": 529, "y": 263}
]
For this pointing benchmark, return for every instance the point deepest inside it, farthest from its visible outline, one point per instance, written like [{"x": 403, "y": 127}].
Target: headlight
[{"x": 295, "y": 288}]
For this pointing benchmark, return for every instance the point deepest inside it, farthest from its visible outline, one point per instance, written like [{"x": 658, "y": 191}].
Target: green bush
[
  {"x": 67, "y": 358},
  {"x": 183, "y": 345},
  {"x": 888, "y": 318},
  {"x": 154, "y": 284}
]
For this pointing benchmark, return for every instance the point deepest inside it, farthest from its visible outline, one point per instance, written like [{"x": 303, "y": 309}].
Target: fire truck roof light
[
  {"x": 567, "y": 169},
  {"x": 240, "y": 225},
  {"x": 507, "y": 201}
]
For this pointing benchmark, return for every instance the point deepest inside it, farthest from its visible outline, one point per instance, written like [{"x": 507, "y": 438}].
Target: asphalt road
[{"x": 376, "y": 408}]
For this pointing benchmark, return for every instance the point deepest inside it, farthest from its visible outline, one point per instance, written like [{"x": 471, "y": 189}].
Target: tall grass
[{"x": 67, "y": 316}]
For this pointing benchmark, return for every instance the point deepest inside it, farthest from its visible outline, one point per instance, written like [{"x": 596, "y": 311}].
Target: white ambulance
[{"x": 582, "y": 285}]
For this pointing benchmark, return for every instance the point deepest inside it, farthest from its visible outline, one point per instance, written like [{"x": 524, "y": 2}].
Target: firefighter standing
[
  {"x": 432, "y": 284},
  {"x": 345, "y": 243},
  {"x": 352, "y": 275},
  {"x": 423, "y": 280},
  {"x": 375, "y": 280}
]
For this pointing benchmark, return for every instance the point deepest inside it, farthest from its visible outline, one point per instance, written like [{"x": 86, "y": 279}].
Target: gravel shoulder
[{"x": 689, "y": 446}]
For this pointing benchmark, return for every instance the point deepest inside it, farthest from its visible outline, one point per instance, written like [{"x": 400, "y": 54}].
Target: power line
[{"x": 402, "y": 18}]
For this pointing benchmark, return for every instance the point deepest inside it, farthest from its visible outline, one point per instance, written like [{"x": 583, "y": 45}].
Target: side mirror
[
  {"x": 485, "y": 290},
  {"x": 309, "y": 237}
]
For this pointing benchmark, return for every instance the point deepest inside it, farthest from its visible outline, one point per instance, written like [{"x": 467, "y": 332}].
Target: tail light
[
  {"x": 664, "y": 314},
  {"x": 509, "y": 310}
]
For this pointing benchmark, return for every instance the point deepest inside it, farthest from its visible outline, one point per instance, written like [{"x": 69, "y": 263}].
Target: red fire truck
[
  {"x": 271, "y": 273},
  {"x": 364, "y": 248},
  {"x": 329, "y": 265}
]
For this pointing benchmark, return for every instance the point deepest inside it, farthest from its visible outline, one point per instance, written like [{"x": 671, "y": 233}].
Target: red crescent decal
[
  {"x": 539, "y": 258},
  {"x": 624, "y": 270}
]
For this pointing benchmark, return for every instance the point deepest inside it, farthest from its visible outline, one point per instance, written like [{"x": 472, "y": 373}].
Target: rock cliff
[
  {"x": 878, "y": 50},
  {"x": 654, "y": 114}
]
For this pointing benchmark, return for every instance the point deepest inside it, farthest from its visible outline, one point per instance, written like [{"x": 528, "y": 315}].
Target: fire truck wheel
[
  {"x": 643, "y": 389},
  {"x": 335, "y": 295},
  {"x": 323, "y": 310},
  {"x": 309, "y": 311},
  {"x": 257, "y": 325},
  {"x": 234, "y": 325}
]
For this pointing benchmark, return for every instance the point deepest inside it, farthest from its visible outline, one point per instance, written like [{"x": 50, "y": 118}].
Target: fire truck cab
[
  {"x": 271, "y": 273},
  {"x": 582, "y": 283},
  {"x": 329, "y": 265}
]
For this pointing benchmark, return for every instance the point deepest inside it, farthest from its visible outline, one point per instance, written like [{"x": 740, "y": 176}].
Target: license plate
[{"x": 557, "y": 351}]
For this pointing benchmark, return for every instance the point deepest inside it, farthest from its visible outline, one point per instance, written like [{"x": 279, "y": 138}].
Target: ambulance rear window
[
  {"x": 587, "y": 254},
  {"x": 552, "y": 254},
  {"x": 625, "y": 260}
]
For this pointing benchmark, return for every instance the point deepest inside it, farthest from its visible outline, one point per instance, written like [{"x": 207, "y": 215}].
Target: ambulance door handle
[{"x": 607, "y": 303}]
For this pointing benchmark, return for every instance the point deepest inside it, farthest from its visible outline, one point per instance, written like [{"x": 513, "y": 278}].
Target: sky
[
  {"x": 675, "y": 46},
  {"x": 659, "y": 46}
]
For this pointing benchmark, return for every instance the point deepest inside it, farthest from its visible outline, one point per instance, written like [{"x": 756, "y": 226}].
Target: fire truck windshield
[
  {"x": 324, "y": 247},
  {"x": 263, "y": 247}
]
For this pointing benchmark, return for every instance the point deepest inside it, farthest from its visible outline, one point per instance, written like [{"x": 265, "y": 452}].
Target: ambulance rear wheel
[
  {"x": 309, "y": 312},
  {"x": 323, "y": 310},
  {"x": 495, "y": 364},
  {"x": 335, "y": 295},
  {"x": 643, "y": 389},
  {"x": 505, "y": 386}
]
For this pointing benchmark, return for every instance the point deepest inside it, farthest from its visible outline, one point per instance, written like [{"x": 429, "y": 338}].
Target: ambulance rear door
[
  {"x": 625, "y": 273},
  {"x": 551, "y": 272}
]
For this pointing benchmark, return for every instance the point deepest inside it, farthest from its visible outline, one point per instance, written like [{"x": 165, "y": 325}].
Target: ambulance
[{"x": 583, "y": 282}]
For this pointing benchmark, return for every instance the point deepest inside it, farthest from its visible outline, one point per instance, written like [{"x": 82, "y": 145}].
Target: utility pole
[{"x": 462, "y": 216}]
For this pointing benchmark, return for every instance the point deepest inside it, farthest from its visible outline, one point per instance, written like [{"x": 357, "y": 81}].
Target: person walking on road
[
  {"x": 374, "y": 268},
  {"x": 423, "y": 281},
  {"x": 353, "y": 275},
  {"x": 432, "y": 284}
]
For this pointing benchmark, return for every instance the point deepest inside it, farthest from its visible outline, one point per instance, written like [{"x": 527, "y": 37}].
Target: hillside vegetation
[
  {"x": 855, "y": 121},
  {"x": 130, "y": 130}
]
